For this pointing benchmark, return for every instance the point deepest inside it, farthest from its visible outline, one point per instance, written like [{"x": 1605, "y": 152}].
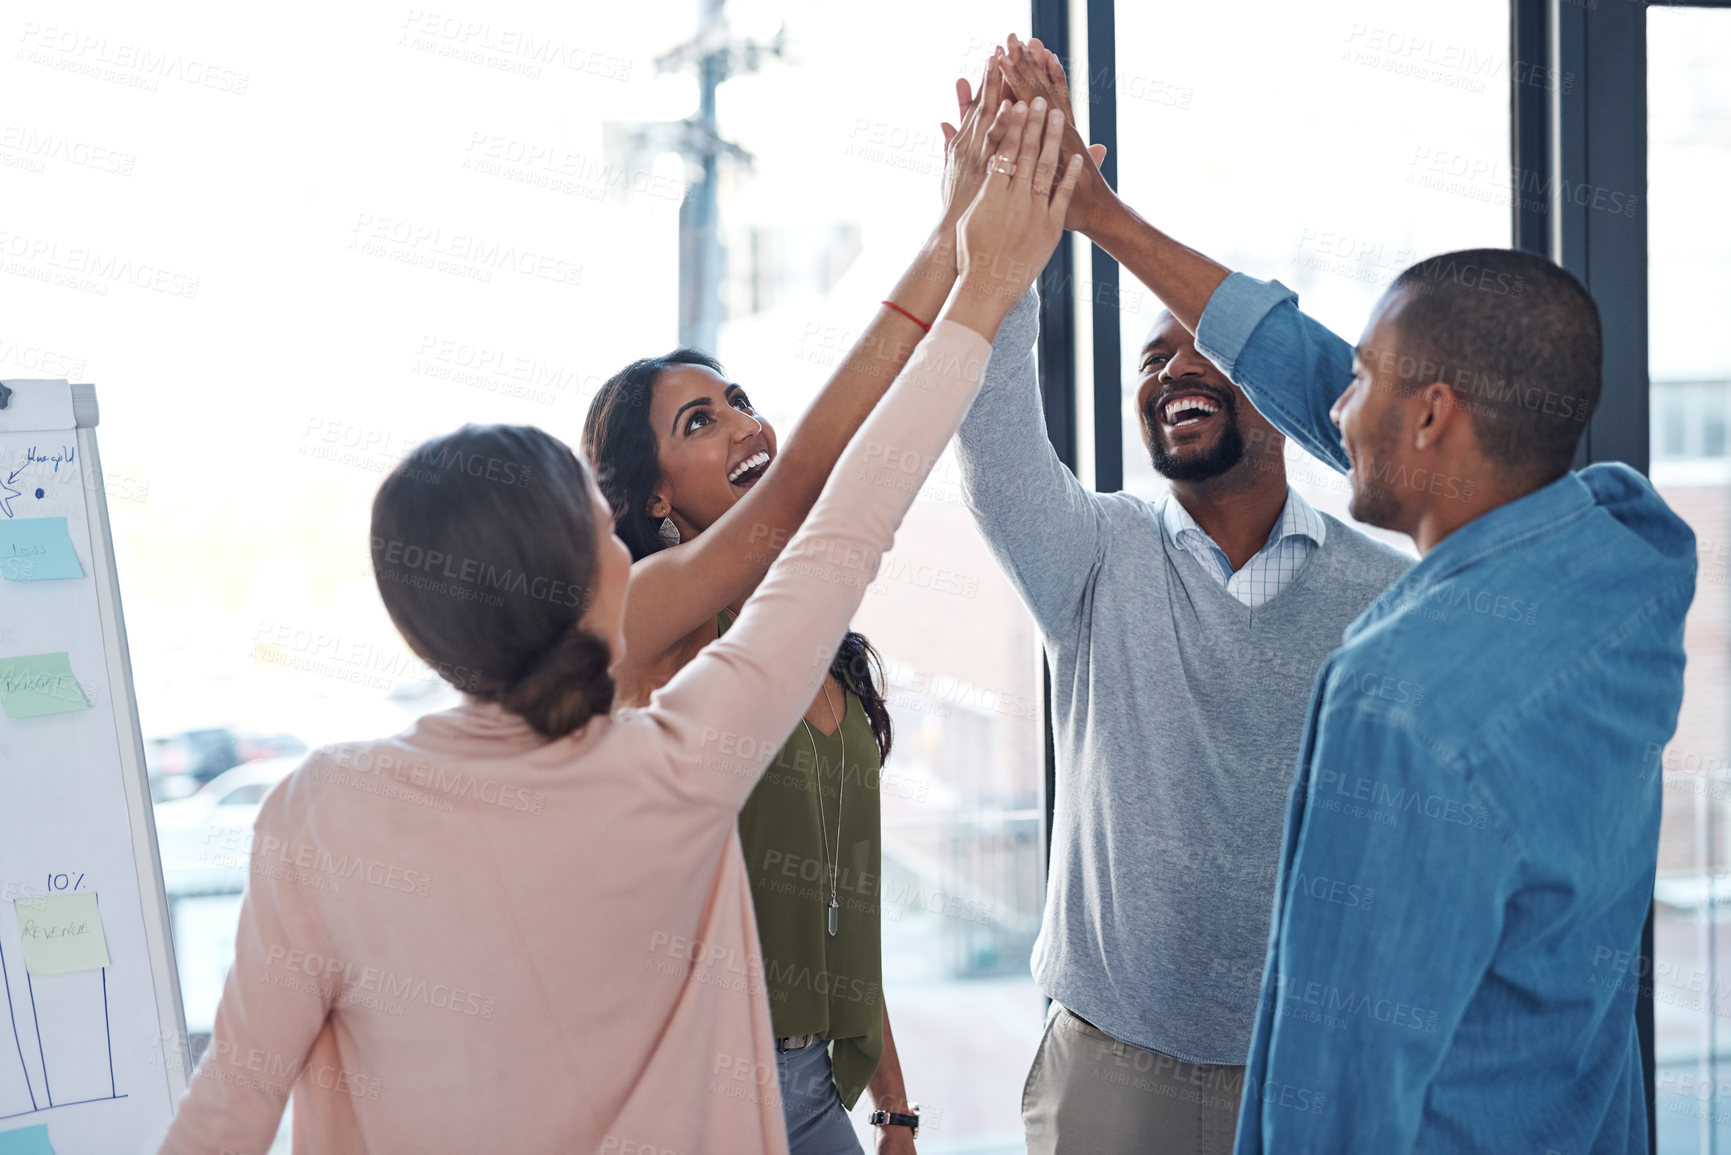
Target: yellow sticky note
[{"x": 61, "y": 933}]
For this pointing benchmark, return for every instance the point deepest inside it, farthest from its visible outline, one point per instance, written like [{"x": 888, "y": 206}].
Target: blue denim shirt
[{"x": 1472, "y": 832}]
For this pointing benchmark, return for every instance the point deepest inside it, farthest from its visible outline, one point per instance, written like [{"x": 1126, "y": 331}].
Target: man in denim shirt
[
  {"x": 1483, "y": 750},
  {"x": 1484, "y": 747}
]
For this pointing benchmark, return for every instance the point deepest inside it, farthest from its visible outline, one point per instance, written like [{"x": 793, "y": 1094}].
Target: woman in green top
[
  {"x": 812, "y": 843},
  {"x": 810, "y": 831},
  {"x": 704, "y": 501}
]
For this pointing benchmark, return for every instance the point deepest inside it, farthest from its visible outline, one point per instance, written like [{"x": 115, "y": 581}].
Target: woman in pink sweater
[
  {"x": 704, "y": 495},
  {"x": 524, "y": 924}
]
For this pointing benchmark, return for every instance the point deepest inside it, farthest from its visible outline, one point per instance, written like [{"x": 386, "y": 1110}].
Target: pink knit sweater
[{"x": 468, "y": 939}]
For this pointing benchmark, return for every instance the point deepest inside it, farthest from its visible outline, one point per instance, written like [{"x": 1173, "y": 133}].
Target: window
[
  {"x": 1690, "y": 420},
  {"x": 1339, "y": 144},
  {"x": 1689, "y": 265}
]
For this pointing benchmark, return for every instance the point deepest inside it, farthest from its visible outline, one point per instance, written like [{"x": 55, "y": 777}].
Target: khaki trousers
[{"x": 1089, "y": 1094}]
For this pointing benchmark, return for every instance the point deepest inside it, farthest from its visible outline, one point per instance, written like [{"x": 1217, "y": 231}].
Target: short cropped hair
[{"x": 1517, "y": 338}]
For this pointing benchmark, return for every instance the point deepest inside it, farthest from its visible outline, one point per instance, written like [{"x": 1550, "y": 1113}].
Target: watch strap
[{"x": 896, "y": 1119}]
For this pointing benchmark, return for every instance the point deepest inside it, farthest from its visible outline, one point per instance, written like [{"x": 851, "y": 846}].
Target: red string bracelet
[{"x": 905, "y": 313}]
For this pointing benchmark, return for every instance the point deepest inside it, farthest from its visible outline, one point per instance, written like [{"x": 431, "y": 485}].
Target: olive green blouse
[{"x": 818, "y": 983}]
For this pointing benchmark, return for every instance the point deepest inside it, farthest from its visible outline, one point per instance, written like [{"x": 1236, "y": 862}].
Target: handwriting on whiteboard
[
  {"x": 53, "y": 456},
  {"x": 57, "y": 457}
]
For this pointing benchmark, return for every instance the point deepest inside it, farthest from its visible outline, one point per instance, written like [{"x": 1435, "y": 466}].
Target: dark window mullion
[
  {"x": 1103, "y": 291},
  {"x": 1056, "y": 359}
]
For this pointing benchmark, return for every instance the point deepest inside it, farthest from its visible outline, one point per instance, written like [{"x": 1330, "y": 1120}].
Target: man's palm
[{"x": 1031, "y": 70}]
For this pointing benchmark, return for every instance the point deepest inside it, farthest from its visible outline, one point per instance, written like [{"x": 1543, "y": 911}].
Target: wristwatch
[{"x": 897, "y": 1119}]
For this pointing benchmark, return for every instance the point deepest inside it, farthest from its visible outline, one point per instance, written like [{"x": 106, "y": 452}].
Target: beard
[
  {"x": 1202, "y": 465},
  {"x": 1372, "y": 502}
]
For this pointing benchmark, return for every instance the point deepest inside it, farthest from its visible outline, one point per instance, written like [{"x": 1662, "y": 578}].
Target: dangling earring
[{"x": 668, "y": 532}]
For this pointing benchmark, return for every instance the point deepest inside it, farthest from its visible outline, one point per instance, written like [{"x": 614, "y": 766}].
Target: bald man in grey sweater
[{"x": 1183, "y": 636}]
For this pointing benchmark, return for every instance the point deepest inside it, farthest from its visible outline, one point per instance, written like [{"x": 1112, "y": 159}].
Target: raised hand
[
  {"x": 965, "y": 152},
  {"x": 1010, "y": 230},
  {"x": 1032, "y": 70}
]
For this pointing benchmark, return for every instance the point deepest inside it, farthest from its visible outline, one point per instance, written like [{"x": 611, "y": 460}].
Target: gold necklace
[{"x": 840, "y": 790}]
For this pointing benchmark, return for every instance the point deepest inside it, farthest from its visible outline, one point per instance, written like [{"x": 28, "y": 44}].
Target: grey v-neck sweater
[{"x": 1177, "y": 713}]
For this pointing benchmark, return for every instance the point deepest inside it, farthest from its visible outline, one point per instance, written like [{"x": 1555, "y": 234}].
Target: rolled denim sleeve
[
  {"x": 1395, "y": 878},
  {"x": 1292, "y": 366}
]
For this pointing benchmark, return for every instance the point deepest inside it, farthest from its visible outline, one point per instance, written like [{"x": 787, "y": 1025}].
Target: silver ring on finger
[{"x": 1003, "y": 164}]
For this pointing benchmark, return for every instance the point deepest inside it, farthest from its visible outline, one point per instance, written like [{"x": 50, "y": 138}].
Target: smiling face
[
  {"x": 1194, "y": 420},
  {"x": 1371, "y": 416},
  {"x": 710, "y": 444}
]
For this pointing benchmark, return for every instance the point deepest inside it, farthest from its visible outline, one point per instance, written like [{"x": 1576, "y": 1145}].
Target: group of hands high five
[{"x": 1016, "y": 173}]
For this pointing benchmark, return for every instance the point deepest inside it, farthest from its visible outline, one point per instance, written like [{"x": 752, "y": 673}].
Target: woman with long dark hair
[
  {"x": 704, "y": 502},
  {"x": 524, "y": 924}
]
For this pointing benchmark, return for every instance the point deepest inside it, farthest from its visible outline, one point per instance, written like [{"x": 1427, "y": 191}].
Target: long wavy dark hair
[{"x": 620, "y": 445}]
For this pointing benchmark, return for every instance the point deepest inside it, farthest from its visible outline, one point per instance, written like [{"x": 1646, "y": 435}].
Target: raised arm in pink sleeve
[
  {"x": 266, "y": 1024},
  {"x": 731, "y": 708}
]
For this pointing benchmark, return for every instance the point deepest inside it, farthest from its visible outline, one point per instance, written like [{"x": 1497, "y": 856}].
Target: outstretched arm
[
  {"x": 676, "y": 590},
  {"x": 1181, "y": 277},
  {"x": 725, "y": 714},
  {"x": 1044, "y": 527},
  {"x": 1292, "y": 367}
]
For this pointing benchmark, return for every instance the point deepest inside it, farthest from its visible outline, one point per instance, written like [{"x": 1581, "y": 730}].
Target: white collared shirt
[{"x": 1299, "y": 530}]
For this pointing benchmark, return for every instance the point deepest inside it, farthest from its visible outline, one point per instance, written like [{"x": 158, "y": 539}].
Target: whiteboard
[{"x": 98, "y": 1056}]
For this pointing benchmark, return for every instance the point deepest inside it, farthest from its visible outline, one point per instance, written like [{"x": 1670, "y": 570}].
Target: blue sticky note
[
  {"x": 37, "y": 549},
  {"x": 26, "y": 1141}
]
